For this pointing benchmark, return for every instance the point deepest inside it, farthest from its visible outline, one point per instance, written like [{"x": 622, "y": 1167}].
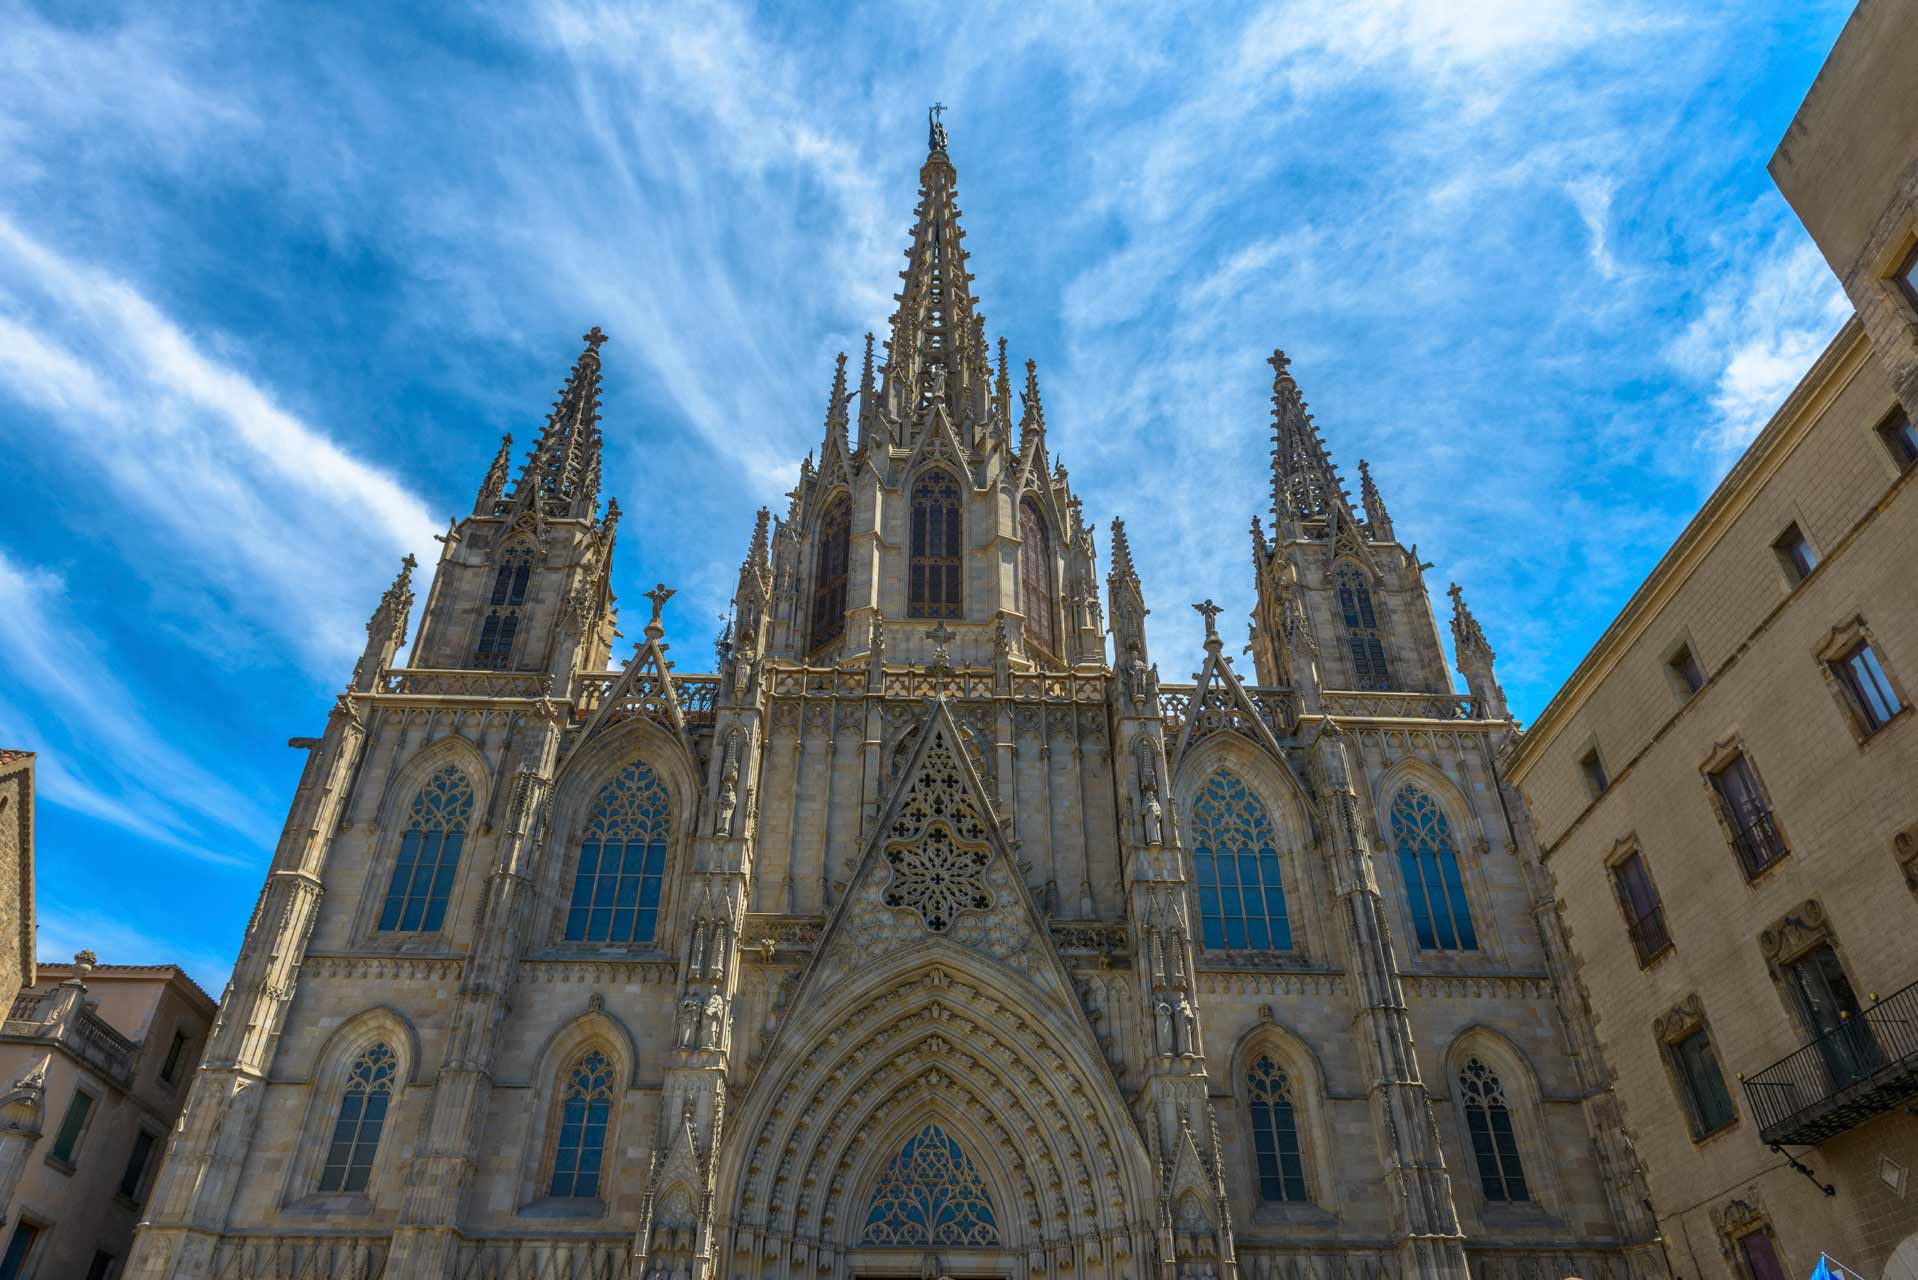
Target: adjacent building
[
  {"x": 922, "y": 935},
  {"x": 99, "y": 1058},
  {"x": 1726, "y": 790},
  {"x": 16, "y": 872}
]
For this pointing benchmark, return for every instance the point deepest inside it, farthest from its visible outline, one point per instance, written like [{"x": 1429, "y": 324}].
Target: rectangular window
[
  {"x": 1711, "y": 1105},
  {"x": 1829, "y": 1008},
  {"x": 1754, "y": 834},
  {"x": 1644, "y": 915},
  {"x": 1761, "y": 1257},
  {"x": 170, "y": 1068},
  {"x": 1594, "y": 770},
  {"x": 1901, "y": 438},
  {"x": 1907, "y": 276},
  {"x": 102, "y": 1264},
  {"x": 1867, "y": 686},
  {"x": 72, "y": 1127},
  {"x": 13, "y": 1264},
  {"x": 133, "y": 1181},
  {"x": 1795, "y": 554},
  {"x": 1685, "y": 669}
]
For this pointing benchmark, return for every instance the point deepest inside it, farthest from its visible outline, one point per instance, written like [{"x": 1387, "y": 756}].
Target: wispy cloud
[
  {"x": 129, "y": 774},
  {"x": 65, "y": 930}
]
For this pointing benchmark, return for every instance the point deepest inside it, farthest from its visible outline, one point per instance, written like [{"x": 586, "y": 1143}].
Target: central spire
[
  {"x": 561, "y": 475},
  {"x": 935, "y": 327}
]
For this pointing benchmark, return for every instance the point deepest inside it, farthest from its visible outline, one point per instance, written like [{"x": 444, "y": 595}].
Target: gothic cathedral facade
[{"x": 925, "y": 935}]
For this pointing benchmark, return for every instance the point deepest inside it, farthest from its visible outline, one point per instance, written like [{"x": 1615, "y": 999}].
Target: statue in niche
[
  {"x": 1138, "y": 680},
  {"x": 1188, "y": 1028},
  {"x": 1153, "y": 814},
  {"x": 715, "y": 1025},
  {"x": 688, "y": 1021},
  {"x": 728, "y": 787},
  {"x": 1166, "y": 1044}
]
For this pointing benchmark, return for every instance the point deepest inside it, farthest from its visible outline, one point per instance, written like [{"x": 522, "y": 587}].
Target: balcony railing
[
  {"x": 1758, "y": 843},
  {"x": 1650, "y": 935},
  {"x": 1867, "y": 1064},
  {"x": 57, "y": 1017}
]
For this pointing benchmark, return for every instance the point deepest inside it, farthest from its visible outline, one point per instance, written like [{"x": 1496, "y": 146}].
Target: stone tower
[{"x": 918, "y": 937}]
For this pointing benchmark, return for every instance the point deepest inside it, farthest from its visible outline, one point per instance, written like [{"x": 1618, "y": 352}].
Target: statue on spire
[{"x": 936, "y": 131}]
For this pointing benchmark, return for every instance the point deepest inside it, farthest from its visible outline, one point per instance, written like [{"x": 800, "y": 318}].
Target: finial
[
  {"x": 659, "y": 595},
  {"x": 941, "y": 637},
  {"x": 935, "y": 131},
  {"x": 836, "y": 400},
  {"x": 594, "y": 339},
  {"x": 1033, "y": 415},
  {"x": 760, "y": 554},
  {"x": 1210, "y": 612}
]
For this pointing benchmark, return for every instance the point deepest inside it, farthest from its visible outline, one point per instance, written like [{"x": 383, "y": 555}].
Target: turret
[
  {"x": 386, "y": 629},
  {"x": 1475, "y": 658}
]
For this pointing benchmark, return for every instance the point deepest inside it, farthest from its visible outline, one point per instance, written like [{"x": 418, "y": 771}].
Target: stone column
[
  {"x": 1424, "y": 1216},
  {"x": 198, "y": 1181}
]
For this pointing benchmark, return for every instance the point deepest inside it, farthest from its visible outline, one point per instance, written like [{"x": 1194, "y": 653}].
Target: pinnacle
[
  {"x": 1032, "y": 421},
  {"x": 836, "y": 401},
  {"x": 1121, "y": 551}
]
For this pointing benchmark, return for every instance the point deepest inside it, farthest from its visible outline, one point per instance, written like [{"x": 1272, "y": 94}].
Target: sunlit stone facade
[{"x": 927, "y": 934}]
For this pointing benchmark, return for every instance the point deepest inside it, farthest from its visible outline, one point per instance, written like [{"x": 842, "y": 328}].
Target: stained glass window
[
  {"x": 1441, "y": 919},
  {"x": 622, "y": 860},
  {"x": 501, "y": 624},
  {"x": 829, "y": 571},
  {"x": 1494, "y": 1142},
  {"x": 1236, "y": 857},
  {"x": 1036, "y": 579},
  {"x": 1275, "y": 1132},
  {"x": 429, "y": 854},
  {"x": 1362, "y": 637},
  {"x": 930, "y": 1194},
  {"x": 584, "y": 1112},
  {"x": 356, "y": 1130},
  {"x": 935, "y": 566}
]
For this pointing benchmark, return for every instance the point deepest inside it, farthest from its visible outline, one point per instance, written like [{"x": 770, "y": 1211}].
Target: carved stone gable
[{"x": 937, "y": 847}]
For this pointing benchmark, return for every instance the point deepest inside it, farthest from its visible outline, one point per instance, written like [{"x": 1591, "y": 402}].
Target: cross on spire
[
  {"x": 942, "y": 637},
  {"x": 935, "y": 130}
]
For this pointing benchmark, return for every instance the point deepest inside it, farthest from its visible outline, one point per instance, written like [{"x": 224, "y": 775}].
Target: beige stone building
[
  {"x": 921, "y": 935},
  {"x": 99, "y": 1057},
  {"x": 1724, "y": 789},
  {"x": 16, "y": 872}
]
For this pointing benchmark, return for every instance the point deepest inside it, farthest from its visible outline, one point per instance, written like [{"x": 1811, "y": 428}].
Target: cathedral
[{"x": 932, "y": 932}]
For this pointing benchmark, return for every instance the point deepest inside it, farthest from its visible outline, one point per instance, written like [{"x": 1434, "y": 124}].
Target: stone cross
[
  {"x": 1211, "y": 613},
  {"x": 941, "y": 637},
  {"x": 594, "y": 338}
]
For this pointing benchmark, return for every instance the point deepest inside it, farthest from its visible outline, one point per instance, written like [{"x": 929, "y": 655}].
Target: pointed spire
[
  {"x": 561, "y": 476},
  {"x": 1378, "y": 521},
  {"x": 759, "y": 556},
  {"x": 870, "y": 425},
  {"x": 1122, "y": 553},
  {"x": 1466, "y": 633},
  {"x": 386, "y": 629},
  {"x": 836, "y": 413},
  {"x": 1032, "y": 415},
  {"x": 1304, "y": 484},
  {"x": 1002, "y": 393},
  {"x": 928, "y": 354},
  {"x": 1473, "y": 655},
  {"x": 495, "y": 483}
]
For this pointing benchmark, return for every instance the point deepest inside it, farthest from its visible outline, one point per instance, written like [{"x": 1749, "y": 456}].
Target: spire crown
[{"x": 935, "y": 129}]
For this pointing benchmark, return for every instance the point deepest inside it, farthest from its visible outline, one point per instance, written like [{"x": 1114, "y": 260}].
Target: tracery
[
  {"x": 931, "y": 1194},
  {"x": 1428, "y": 862},
  {"x": 1236, "y": 860},
  {"x": 622, "y": 860},
  {"x": 429, "y": 854}
]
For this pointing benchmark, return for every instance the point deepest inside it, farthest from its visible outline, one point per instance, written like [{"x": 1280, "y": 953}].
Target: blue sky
[{"x": 273, "y": 282}]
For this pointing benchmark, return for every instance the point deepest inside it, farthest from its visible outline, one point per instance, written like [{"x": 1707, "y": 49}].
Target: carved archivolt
[
  {"x": 936, "y": 1045},
  {"x": 1680, "y": 1020},
  {"x": 1794, "y": 933}
]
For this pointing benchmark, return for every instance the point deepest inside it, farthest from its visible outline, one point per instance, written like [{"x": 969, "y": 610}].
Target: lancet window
[
  {"x": 829, "y": 571},
  {"x": 1363, "y": 639},
  {"x": 937, "y": 526},
  {"x": 361, "y": 1117},
  {"x": 1036, "y": 579},
  {"x": 622, "y": 860},
  {"x": 1275, "y": 1132},
  {"x": 1235, "y": 859},
  {"x": 1428, "y": 862},
  {"x": 930, "y": 1195},
  {"x": 429, "y": 854},
  {"x": 1488, "y": 1121},
  {"x": 501, "y": 624},
  {"x": 585, "y": 1111}
]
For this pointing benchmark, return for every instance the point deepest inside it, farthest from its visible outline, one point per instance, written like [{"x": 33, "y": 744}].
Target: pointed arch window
[
  {"x": 585, "y": 1111},
  {"x": 829, "y": 571},
  {"x": 1235, "y": 859},
  {"x": 501, "y": 624},
  {"x": 1494, "y": 1142},
  {"x": 930, "y": 1194},
  {"x": 1363, "y": 639},
  {"x": 937, "y": 525},
  {"x": 622, "y": 860},
  {"x": 362, "y": 1116},
  {"x": 1428, "y": 862},
  {"x": 1275, "y": 1132},
  {"x": 1036, "y": 579},
  {"x": 429, "y": 855}
]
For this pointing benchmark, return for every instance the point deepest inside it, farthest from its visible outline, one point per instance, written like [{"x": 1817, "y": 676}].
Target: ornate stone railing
[
  {"x": 1279, "y": 708},
  {"x": 433, "y": 683},
  {"x": 1374, "y": 705},
  {"x": 299, "y": 1258},
  {"x": 1545, "y": 1264},
  {"x": 1095, "y": 937},
  {"x": 589, "y": 1259},
  {"x": 57, "y": 1016},
  {"x": 971, "y": 684},
  {"x": 1261, "y": 1263},
  {"x": 698, "y": 695}
]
